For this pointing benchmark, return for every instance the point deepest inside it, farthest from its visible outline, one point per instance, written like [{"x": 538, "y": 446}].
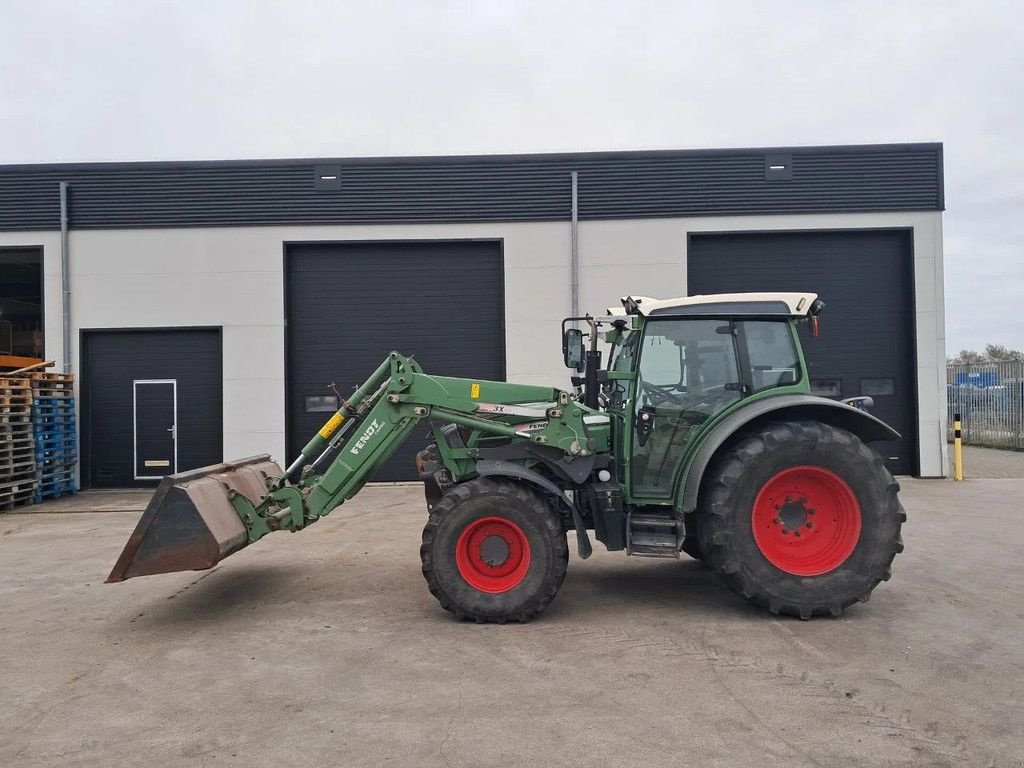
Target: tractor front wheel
[
  {"x": 494, "y": 551},
  {"x": 800, "y": 518}
]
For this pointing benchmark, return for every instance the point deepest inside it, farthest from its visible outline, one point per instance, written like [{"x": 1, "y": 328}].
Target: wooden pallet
[
  {"x": 51, "y": 395},
  {"x": 52, "y": 384},
  {"x": 11, "y": 455},
  {"x": 14, "y": 484},
  {"x": 16, "y": 447},
  {"x": 44, "y": 376},
  {"x": 19, "y": 498},
  {"x": 19, "y": 475}
]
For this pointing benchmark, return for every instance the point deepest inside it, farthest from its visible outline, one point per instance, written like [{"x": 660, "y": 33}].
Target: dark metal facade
[
  {"x": 846, "y": 179},
  {"x": 347, "y": 304},
  {"x": 112, "y": 359},
  {"x": 866, "y": 279}
]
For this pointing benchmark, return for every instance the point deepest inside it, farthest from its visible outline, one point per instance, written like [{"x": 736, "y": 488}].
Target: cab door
[{"x": 687, "y": 374}]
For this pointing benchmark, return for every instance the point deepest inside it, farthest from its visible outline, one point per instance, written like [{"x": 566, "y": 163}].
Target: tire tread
[
  {"x": 520, "y": 494},
  {"x": 714, "y": 513}
]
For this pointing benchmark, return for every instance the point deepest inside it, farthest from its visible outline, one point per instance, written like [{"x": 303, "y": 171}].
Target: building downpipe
[
  {"x": 574, "y": 268},
  {"x": 65, "y": 279}
]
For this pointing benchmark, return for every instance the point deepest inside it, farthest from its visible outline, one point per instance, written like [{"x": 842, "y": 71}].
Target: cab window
[{"x": 771, "y": 353}]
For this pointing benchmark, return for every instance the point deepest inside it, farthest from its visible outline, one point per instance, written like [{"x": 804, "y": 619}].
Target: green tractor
[{"x": 700, "y": 435}]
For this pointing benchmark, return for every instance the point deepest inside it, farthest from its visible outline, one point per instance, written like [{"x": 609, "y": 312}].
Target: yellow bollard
[{"x": 958, "y": 449}]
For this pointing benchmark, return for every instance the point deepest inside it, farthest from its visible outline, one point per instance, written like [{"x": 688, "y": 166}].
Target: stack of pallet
[
  {"x": 17, "y": 448},
  {"x": 54, "y": 433}
]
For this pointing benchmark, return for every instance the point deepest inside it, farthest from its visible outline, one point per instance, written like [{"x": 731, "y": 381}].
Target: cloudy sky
[{"x": 143, "y": 80}]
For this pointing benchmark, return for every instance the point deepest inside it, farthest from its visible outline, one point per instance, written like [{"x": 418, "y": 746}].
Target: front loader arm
[{"x": 368, "y": 428}]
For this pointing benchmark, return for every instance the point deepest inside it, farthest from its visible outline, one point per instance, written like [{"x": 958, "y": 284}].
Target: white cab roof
[{"x": 796, "y": 304}]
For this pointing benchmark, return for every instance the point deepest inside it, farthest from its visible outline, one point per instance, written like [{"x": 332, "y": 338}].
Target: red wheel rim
[
  {"x": 493, "y": 554},
  {"x": 806, "y": 521}
]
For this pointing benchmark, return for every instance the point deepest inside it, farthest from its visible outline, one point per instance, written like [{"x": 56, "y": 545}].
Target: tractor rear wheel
[
  {"x": 494, "y": 551},
  {"x": 801, "y": 518}
]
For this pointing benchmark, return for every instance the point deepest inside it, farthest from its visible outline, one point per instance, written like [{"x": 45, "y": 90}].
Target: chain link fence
[{"x": 990, "y": 400}]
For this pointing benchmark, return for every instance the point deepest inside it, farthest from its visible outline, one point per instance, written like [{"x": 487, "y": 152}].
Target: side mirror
[{"x": 572, "y": 348}]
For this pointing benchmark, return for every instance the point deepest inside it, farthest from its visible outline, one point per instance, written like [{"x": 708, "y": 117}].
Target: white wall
[{"x": 233, "y": 277}]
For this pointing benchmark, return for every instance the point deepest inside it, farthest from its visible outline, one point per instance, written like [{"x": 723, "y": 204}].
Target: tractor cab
[{"x": 676, "y": 367}]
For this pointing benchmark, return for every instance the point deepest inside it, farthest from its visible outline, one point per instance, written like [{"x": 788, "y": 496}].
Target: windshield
[{"x": 692, "y": 356}]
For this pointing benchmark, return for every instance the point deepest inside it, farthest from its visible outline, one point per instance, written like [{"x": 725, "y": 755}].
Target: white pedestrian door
[{"x": 155, "y": 404}]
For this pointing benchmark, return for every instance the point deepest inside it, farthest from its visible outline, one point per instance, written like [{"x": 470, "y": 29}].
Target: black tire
[
  {"x": 691, "y": 543},
  {"x": 726, "y": 518},
  {"x": 517, "y": 503}
]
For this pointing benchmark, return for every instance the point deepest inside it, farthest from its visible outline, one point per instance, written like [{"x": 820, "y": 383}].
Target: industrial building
[{"x": 211, "y": 304}]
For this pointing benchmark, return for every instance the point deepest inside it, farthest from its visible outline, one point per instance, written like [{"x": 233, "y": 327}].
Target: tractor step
[{"x": 654, "y": 535}]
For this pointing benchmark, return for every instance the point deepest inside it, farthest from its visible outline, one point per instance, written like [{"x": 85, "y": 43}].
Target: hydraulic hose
[{"x": 348, "y": 407}]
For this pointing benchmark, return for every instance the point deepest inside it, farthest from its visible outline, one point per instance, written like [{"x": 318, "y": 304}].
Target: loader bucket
[{"x": 190, "y": 524}]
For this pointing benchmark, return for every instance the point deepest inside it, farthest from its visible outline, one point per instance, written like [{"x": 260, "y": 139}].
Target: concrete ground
[
  {"x": 324, "y": 648},
  {"x": 990, "y": 462}
]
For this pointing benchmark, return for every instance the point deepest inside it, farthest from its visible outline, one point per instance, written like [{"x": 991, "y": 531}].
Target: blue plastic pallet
[
  {"x": 41, "y": 496},
  {"x": 53, "y": 410},
  {"x": 49, "y": 483},
  {"x": 55, "y": 446},
  {"x": 53, "y": 419},
  {"x": 55, "y": 468},
  {"x": 58, "y": 422},
  {"x": 53, "y": 402},
  {"x": 54, "y": 432},
  {"x": 51, "y": 454},
  {"x": 43, "y": 454},
  {"x": 55, "y": 461},
  {"x": 54, "y": 437},
  {"x": 58, "y": 478},
  {"x": 52, "y": 458},
  {"x": 64, "y": 476}
]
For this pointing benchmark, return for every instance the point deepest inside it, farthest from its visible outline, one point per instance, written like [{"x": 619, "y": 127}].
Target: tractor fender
[
  {"x": 499, "y": 468},
  {"x": 865, "y": 426}
]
